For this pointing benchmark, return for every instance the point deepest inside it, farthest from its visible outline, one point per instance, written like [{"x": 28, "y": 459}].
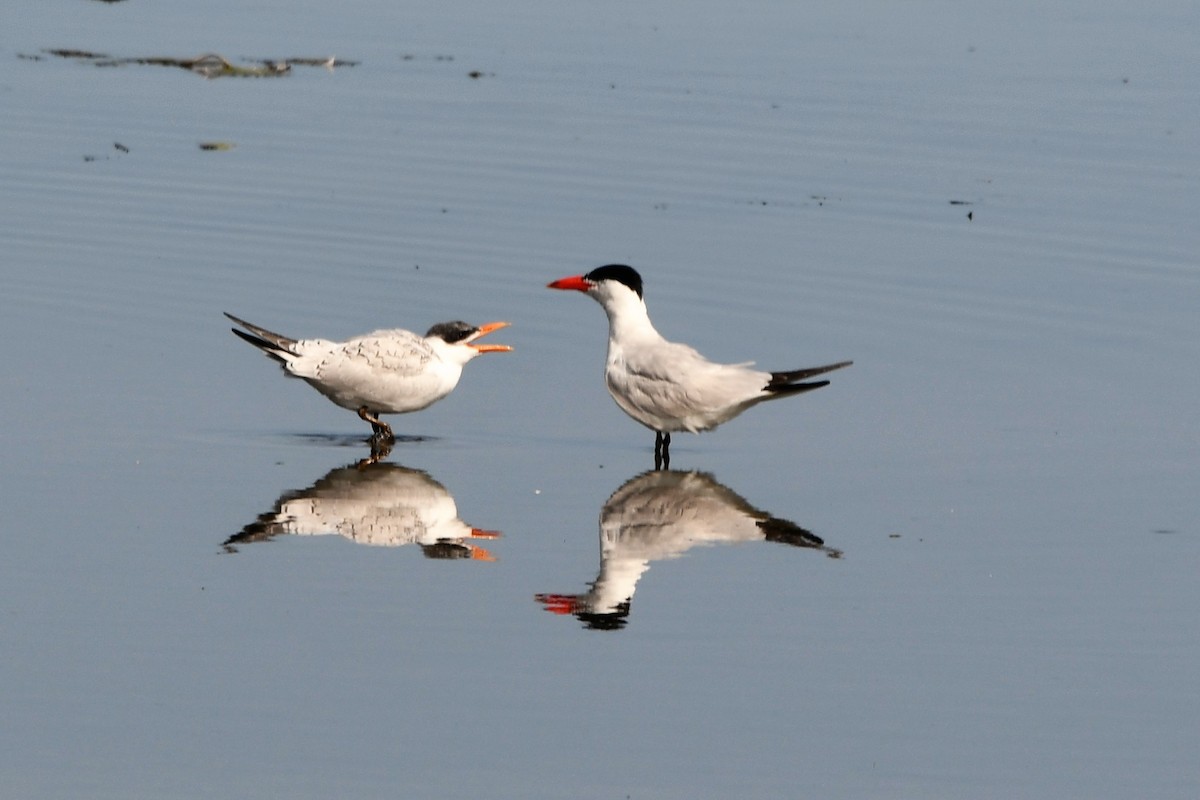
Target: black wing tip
[
  {"x": 782, "y": 389},
  {"x": 268, "y": 341},
  {"x": 239, "y": 321},
  {"x": 269, "y": 348},
  {"x": 784, "y": 380},
  {"x": 252, "y": 339}
]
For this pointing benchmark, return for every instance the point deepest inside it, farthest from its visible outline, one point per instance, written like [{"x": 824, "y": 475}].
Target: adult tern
[{"x": 668, "y": 386}]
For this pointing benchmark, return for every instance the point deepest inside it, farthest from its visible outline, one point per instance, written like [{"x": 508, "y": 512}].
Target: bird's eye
[{"x": 452, "y": 332}]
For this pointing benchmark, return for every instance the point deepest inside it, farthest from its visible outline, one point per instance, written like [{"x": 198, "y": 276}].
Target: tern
[
  {"x": 384, "y": 372},
  {"x": 668, "y": 386}
]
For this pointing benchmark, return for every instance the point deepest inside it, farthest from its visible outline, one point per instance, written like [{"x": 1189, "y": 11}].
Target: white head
[{"x": 617, "y": 287}]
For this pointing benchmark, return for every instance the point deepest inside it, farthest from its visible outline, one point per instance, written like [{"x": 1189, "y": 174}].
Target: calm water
[{"x": 968, "y": 568}]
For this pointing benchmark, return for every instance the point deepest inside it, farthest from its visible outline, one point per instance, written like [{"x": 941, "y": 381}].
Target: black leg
[{"x": 662, "y": 450}]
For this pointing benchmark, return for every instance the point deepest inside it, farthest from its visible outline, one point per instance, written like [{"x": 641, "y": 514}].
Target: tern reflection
[
  {"x": 373, "y": 503},
  {"x": 659, "y": 515}
]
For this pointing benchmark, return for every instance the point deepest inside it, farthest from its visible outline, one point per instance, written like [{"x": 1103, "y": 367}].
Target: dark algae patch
[{"x": 209, "y": 65}]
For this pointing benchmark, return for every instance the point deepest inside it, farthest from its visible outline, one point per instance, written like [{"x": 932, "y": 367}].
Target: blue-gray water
[{"x": 990, "y": 208}]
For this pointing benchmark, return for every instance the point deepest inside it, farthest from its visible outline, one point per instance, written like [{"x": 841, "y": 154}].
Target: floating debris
[
  {"x": 210, "y": 65},
  {"x": 81, "y": 54},
  {"x": 329, "y": 63},
  {"x": 970, "y": 214},
  {"x": 217, "y": 145},
  {"x": 120, "y": 148}
]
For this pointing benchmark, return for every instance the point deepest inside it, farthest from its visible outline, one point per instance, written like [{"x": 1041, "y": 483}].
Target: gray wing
[{"x": 398, "y": 353}]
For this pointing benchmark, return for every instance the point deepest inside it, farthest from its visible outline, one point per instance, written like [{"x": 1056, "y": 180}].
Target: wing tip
[
  {"x": 784, "y": 389},
  {"x": 268, "y": 341},
  {"x": 785, "y": 381}
]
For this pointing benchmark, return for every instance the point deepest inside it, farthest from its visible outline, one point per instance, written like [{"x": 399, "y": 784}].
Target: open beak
[
  {"x": 479, "y": 554},
  {"x": 484, "y": 330},
  {"x": 558, "y": 603},
  {"x": 480, "y": 533},
  {"x": 576, "y": 282}
]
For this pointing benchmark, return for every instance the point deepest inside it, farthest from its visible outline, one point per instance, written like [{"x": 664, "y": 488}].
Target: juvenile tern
[
  {"x": 668, "y": 386},
  {"x": 384, "y": 372}
]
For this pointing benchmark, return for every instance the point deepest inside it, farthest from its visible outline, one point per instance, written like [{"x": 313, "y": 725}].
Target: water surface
[{"x": 988, "y": 209}]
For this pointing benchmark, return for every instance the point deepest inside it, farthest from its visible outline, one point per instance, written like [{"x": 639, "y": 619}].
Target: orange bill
[{"x": 484, "y": 330}]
